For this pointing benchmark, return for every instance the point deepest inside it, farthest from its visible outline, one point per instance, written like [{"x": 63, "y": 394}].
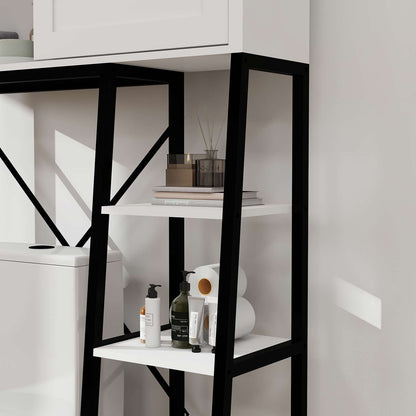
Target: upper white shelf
[
  {"x": 132, "y": 351},
  {"x": 213, "y": 213},
  {"x": 183, "y": 60}
]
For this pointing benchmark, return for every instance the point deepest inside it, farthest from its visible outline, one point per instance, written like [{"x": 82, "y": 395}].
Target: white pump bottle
[{"x": 152, "y": 305}]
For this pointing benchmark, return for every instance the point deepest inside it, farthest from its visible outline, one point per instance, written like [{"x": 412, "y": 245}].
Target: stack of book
[{"x": 198, "y": 197}]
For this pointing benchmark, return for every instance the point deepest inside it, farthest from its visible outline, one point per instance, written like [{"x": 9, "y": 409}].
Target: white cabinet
[
  {"x": 141, "y": 30},
  {"x": 67, "y": 28}
]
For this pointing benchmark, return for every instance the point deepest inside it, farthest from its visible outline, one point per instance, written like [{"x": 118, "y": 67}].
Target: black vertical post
[
  {"x": 230, "y": 236},
  {"x": 300, "y": 159},
  {"x": 176, "y": 232},
  {"x": 99, "y": 240}
]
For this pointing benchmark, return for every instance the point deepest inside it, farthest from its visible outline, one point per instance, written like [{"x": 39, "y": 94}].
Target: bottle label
[
  {"x": 149, "y": 319},
  {"x": 180, "y": 326},
  {"x": 142, "y": 327},
  {"x": 194, "y": 325},
  {"x": 212, "y": 329}
]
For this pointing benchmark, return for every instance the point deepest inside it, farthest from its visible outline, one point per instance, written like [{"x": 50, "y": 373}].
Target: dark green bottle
[{"x": 179, "y": 317}]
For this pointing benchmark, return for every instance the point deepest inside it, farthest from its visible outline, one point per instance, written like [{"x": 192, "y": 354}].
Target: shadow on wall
[
  {"x": 68, "y": 183},
  {"x": 65, "y": 127}
]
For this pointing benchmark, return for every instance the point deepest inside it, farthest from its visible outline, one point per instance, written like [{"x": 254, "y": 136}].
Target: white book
[
  {"x": 203, "y": 202},
  {"x": 186, "y": 189},
  {"x": 199, "y": 195}
]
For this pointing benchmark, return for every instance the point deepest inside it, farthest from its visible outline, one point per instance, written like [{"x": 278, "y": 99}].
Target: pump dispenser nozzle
[
  {"x": 151, "y": 292},
  {"x": 185, "y": 286}
]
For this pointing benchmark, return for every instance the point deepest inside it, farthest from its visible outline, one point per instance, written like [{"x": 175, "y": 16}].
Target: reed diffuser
[
  {"x": 210, "y": 171},
  {"x": 211, "y": 138}
]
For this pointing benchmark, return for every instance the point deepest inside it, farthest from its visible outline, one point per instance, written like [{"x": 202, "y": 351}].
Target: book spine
[
  {"x": 186, "y": 189},
  {"x": 189, "y": 195},
  {"x": 251, "y": 201},
  {"x": 201, "y": 196},
  {"x": 187, "y": 202},
  {"x": 202, "y": 203}
]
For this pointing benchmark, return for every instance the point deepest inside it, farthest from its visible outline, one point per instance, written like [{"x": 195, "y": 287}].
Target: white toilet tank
[{"x": 43, "y": 296}]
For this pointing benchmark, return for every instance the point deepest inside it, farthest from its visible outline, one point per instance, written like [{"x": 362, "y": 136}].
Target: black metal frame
[
  {"x": 107, "y": 77},
  {"x": 226, "y": 367}
]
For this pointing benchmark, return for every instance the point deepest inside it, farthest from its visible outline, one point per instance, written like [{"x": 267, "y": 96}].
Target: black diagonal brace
[
  {"x": 156, "y": 373},
  {"x": 163, "y": 383},
  {"x": 155, "y": 148},
  {"x": 33, "y": 199}
]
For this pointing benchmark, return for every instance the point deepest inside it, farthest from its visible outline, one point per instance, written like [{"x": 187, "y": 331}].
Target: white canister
[{"x": 245, "y": 318}]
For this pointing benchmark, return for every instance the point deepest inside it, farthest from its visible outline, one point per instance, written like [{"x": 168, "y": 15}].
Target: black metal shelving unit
[{"x": 107, "y": 78}]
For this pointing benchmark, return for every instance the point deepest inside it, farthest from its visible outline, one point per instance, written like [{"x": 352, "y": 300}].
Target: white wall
[{"x": 362, "y": 225}]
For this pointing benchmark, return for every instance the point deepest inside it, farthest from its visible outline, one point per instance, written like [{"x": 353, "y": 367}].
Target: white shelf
[
  {"x": 132, "y": 351},
  {"x": 213, "y": 213},
  {"x": 208, "y": 58}
]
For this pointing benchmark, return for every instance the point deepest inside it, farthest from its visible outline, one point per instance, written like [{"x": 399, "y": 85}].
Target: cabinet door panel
[{"x": 66, "y": 28}]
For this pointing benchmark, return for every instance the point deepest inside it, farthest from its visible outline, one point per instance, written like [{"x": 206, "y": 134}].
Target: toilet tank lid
[{"x": 58, "y": 255}]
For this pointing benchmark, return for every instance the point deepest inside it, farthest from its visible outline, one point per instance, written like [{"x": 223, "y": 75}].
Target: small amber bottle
[{"x": 143, "y": 325}]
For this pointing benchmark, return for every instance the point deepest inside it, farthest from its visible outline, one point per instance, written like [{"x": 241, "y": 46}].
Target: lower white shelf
[
  {"x": 214, "y": 213},
  {"x": 132, "y": 351}
]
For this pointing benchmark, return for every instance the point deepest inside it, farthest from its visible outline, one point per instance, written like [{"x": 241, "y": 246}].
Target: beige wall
[
  {"x": 16, "y": 16},
  {"x": 362, "y": 228}
]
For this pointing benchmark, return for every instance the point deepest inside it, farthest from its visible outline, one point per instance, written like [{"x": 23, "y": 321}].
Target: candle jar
[
  {"x": 183, "y": 161},
  {"x": 181, "y": 169}
]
